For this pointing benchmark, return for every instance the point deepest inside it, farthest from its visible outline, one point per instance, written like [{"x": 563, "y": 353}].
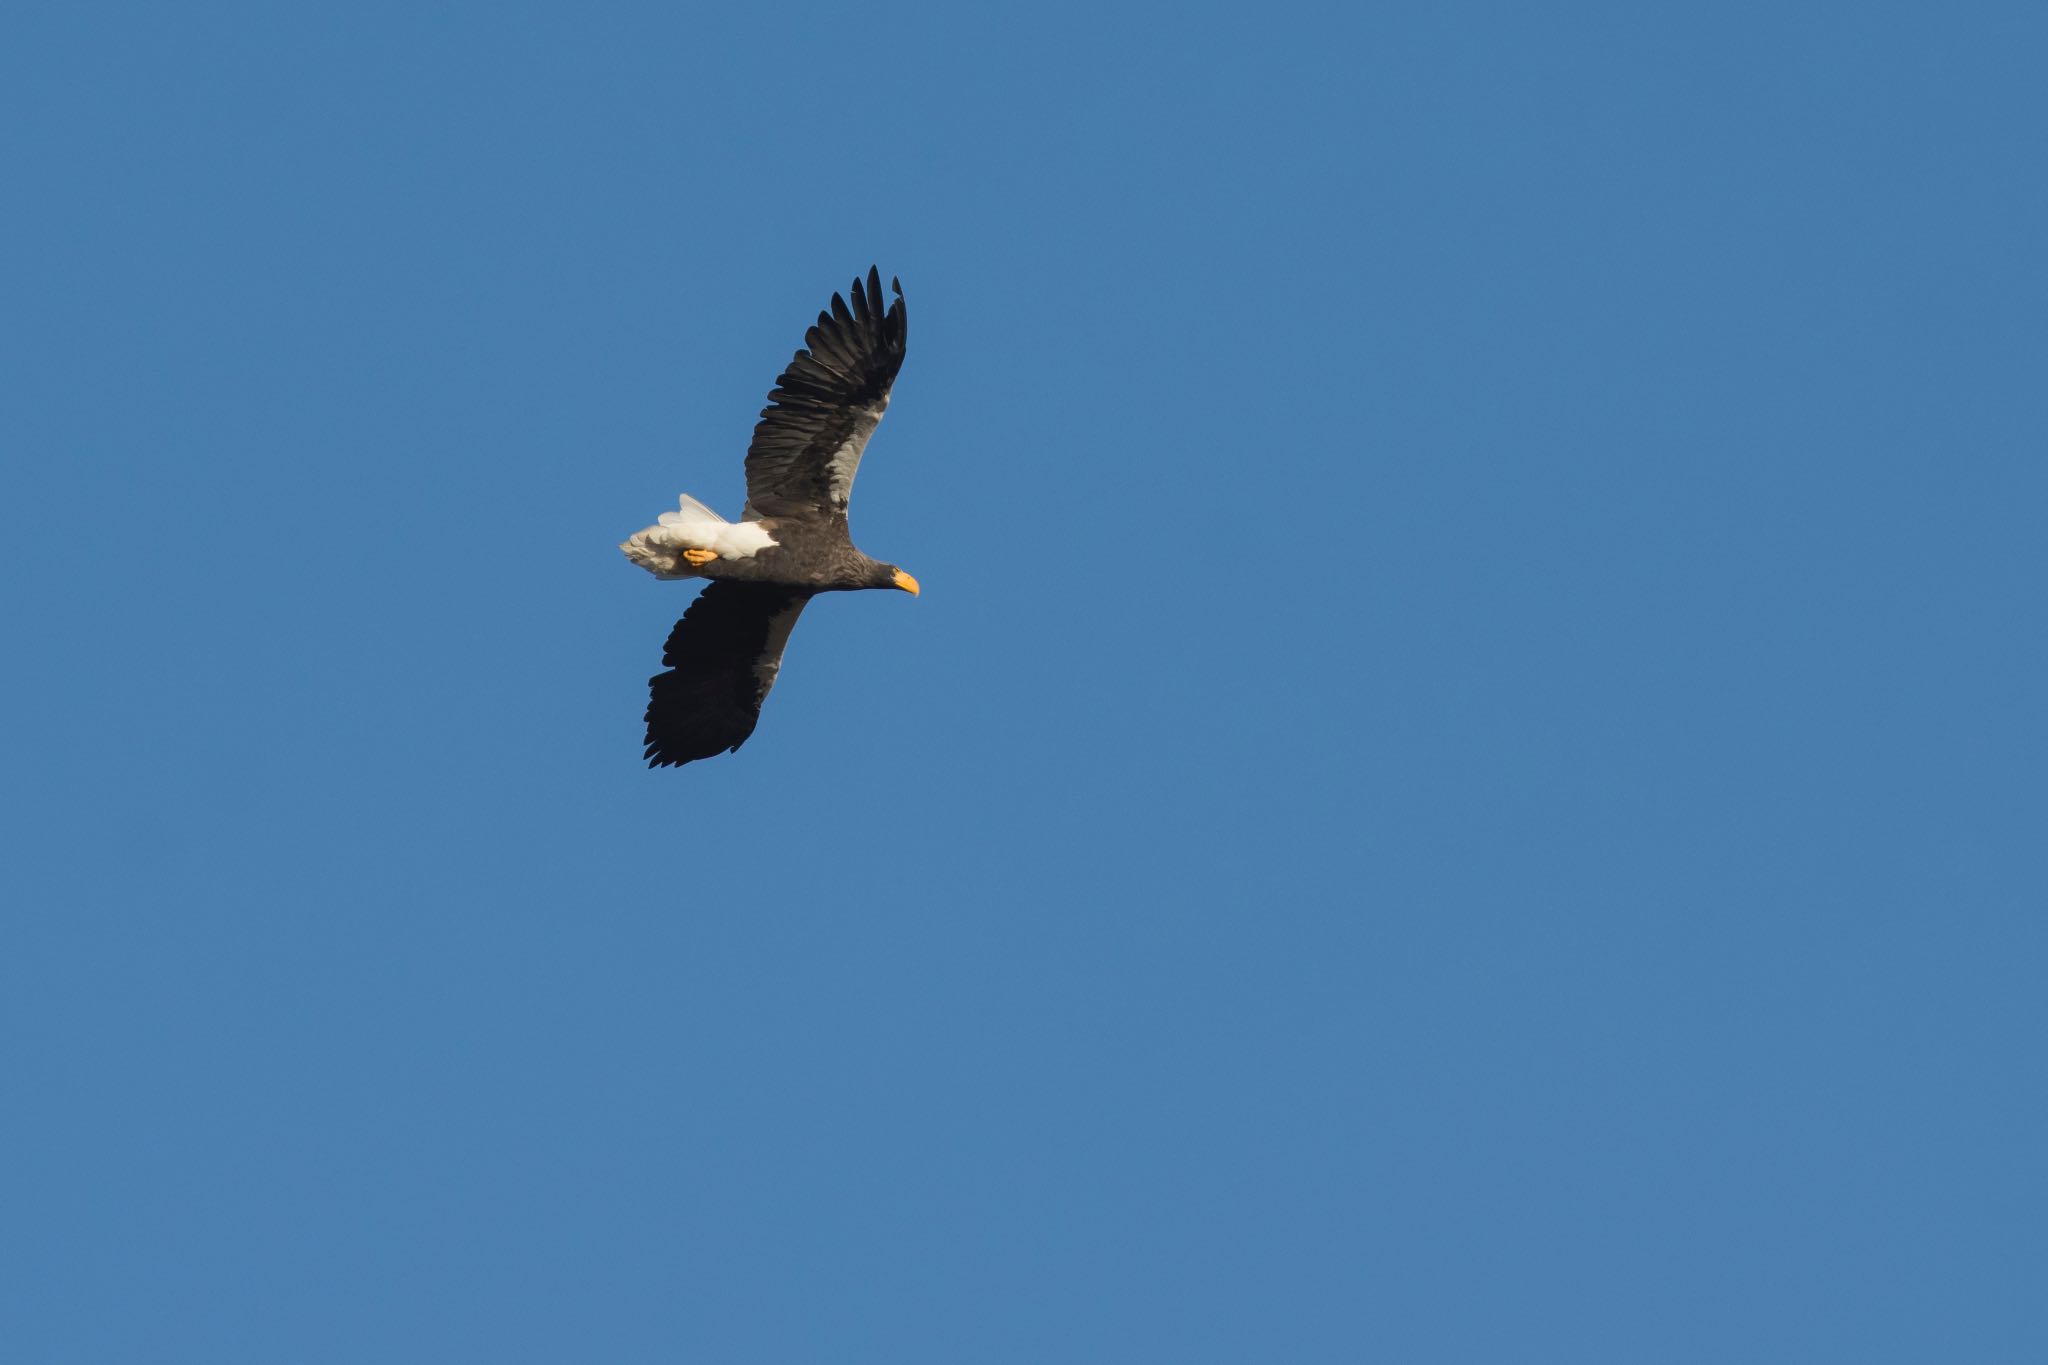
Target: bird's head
[{"x": 873, "y": 573}]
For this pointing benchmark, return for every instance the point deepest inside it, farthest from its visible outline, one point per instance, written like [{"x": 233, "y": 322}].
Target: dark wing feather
[
  {"x": 807, "y": 445},
  {"x": 721, "y": 659}
]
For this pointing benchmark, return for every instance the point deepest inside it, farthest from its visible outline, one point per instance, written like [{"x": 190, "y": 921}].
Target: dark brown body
[{"x": 807, "y": 556}]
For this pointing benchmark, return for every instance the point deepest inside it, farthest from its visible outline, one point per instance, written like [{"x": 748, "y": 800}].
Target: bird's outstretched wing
[
  {"x": 807, "y": 445},
  {"x": 722, "y": 658}
]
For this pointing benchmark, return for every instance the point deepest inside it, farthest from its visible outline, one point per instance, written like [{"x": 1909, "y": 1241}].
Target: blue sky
[{"x": 1466, "y": 783}]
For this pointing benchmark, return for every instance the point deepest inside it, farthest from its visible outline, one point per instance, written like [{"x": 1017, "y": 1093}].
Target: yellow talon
[{"x": 700, "y": 557}]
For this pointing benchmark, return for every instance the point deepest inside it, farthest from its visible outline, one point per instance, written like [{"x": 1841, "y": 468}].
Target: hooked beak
[{"x": 905, "y": 582}]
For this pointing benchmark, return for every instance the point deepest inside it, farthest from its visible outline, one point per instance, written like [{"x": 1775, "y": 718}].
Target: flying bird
[{"x": 791, "y": 541}]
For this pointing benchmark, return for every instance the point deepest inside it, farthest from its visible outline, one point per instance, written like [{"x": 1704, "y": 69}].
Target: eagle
[{"x": 791, "y": 541}]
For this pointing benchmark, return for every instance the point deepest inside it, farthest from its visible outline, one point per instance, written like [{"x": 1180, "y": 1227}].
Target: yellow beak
[{"x": 906, "y": 582}]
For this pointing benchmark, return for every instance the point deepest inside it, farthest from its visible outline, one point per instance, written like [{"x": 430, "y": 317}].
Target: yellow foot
[{"x": 700, "y": 558}]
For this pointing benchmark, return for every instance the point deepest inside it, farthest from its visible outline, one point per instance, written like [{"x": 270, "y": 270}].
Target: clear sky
[{"x": 1467, "y": 783}]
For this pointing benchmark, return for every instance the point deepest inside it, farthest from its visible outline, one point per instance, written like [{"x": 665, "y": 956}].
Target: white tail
[{"x": 693, "y": 526}]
